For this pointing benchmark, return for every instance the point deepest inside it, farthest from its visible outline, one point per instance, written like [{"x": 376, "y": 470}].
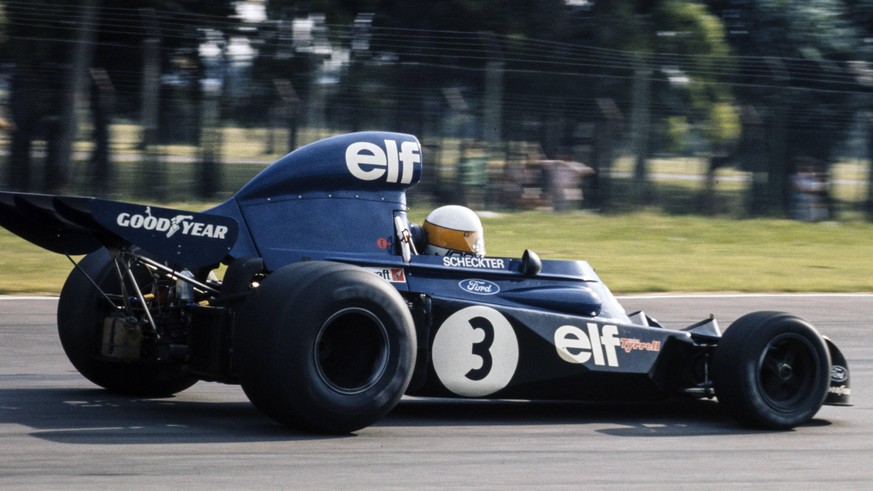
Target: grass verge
[
  {"x": 633, "y": 253},
  {"x": 645, "y": 252}
]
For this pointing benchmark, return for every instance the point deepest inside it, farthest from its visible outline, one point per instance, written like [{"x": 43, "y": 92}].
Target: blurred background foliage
[{"x": 692, "y": 107}]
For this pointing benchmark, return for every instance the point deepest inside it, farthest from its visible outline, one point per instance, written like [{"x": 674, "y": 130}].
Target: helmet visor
[{"x": 458, "y": 240}]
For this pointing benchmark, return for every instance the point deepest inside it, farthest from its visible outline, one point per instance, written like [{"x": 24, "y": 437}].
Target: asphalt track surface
[{"x": 59, "y": 431}]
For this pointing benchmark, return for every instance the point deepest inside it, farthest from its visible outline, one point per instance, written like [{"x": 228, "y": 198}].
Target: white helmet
[{"x": 454, "y": 228}]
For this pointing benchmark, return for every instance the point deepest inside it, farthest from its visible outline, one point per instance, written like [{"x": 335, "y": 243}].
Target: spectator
[
  {"x": 473, "y": 169},
  {"x": 810, "y": 188}
]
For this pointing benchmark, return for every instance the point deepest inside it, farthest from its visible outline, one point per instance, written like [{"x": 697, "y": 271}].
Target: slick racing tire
[
  {"x": 771, "y": 370},
  {"x": 325, "y": 347},
  {"x": 81, "y": 312}
]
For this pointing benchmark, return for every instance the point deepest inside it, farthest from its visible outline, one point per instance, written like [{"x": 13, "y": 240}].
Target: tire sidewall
[
  {"x": 736, "y": 370},
  {"x": 81, "y": 310},
  {"x": 279, "y": 328},
  {"x": 397, "y": 372}
]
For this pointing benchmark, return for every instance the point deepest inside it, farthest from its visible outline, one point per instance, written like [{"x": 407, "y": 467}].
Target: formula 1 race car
[{"x": 327, "y": 315}]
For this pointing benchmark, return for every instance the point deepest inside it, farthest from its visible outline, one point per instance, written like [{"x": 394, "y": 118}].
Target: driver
[{"x": 452, "y": 230}]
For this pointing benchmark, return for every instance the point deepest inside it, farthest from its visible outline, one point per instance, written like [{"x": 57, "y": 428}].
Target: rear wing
[{"x": 74, "y": 225}]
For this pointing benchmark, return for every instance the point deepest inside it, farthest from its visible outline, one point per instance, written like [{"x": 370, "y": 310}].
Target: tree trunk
[
  {"x": 209, "y": 168},
  {"x": 869, "y": 125},
  {"x": 151, "y": 166},
  {"x": 60, "y": 156},
  {"x": 24, "y": 119},
  {"x": 102, "y": 98},
  {"x": 641, "y": 127}
]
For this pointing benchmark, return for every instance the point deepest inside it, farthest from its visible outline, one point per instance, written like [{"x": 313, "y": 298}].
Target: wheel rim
[
  {"x": 352, "y": 351},
  {"x": 787, "y": 371}
]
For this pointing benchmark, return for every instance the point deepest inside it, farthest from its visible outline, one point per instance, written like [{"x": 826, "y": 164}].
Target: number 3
[
  {"x": 475, "y": 352},
  {"x": 482, "y": 349}
]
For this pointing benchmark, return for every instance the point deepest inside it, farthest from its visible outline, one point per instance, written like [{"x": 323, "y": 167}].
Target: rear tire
[
  {"x": 325, "y": 347},
  {"x": 81, "y": 311},
  {"x": 771, "y": 370}
]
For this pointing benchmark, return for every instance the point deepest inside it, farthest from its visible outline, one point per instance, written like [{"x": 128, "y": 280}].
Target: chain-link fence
[{"x": 505, "y": 123}]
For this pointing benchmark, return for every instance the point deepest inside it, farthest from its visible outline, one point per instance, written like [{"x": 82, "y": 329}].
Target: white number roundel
[{"x": 475, "y": 352}]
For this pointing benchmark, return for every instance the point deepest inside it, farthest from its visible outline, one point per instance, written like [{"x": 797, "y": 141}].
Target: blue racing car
[{"x": 333, "y": 305}]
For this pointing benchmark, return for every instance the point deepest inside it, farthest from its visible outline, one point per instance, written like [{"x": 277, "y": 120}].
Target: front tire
[
  {"x": 81, "y": 311},
  {"x": 325, "y": 347},
  {"x": 771, "y": 370}
]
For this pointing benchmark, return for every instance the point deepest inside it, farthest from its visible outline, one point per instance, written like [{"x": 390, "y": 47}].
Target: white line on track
[
  {"x": 17, "y": 297},
  {"x": 665, "y": 296},
  {"x": 739, "y": 295}
]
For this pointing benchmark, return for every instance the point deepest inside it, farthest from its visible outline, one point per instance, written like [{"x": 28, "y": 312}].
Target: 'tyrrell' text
[
  {"x": 629, "y": 345},
  {"x": 369, "y": 162}
]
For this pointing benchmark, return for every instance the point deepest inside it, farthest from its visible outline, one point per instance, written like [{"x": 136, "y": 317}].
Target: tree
[
  {"x": 35, "y": 85},
  {"x": 792, "y": 80},
  {"x": 703, "y": 54},
  {"x": 149, "y": 51},
  {"x": 666, "y": 64},
  {"x": 546, "y": 66},
  {"x": 861, "y": 12},
  {"x": 52, "y": 60}
]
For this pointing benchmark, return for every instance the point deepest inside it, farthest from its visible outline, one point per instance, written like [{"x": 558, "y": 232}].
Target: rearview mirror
[{"x": 530, "y": 262}]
